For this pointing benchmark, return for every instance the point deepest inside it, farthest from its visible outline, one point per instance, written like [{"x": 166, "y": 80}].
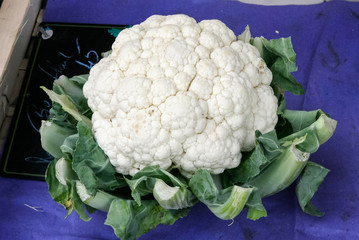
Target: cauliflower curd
[{"x": 180, "y": 94}]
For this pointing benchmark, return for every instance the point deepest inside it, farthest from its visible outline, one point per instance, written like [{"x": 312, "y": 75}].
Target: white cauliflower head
[{"x": 181, "y": 94}]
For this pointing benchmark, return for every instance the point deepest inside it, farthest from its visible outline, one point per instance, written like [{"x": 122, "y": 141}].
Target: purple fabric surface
[{"x": 325, "y": 37}]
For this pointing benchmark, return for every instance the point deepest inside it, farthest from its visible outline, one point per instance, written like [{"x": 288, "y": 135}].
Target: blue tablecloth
[{"x": 326, "y": 39}]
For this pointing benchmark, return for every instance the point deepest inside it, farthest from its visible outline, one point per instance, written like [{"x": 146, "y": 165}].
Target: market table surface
[{"x": 325, "y": 38}]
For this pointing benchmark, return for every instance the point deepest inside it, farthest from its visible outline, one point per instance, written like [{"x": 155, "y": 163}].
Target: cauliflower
[{"x": 179, "y": 94}]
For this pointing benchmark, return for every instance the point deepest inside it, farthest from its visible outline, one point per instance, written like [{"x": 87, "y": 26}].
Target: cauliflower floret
[
  {"x": 183, "y": 115},
  {"x": 181, "y": 94},
  {"x": 205, "y": 149}
]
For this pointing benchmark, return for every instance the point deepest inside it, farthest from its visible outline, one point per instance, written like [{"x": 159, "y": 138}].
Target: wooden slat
[
  {"x": 17, "y": 19},
  {"x": 283, "y": 2},
  {"x": 12, "y": 14}
]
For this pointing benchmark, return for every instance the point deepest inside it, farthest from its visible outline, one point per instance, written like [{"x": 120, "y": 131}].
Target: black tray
[{"x": 71, "y": 50}]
